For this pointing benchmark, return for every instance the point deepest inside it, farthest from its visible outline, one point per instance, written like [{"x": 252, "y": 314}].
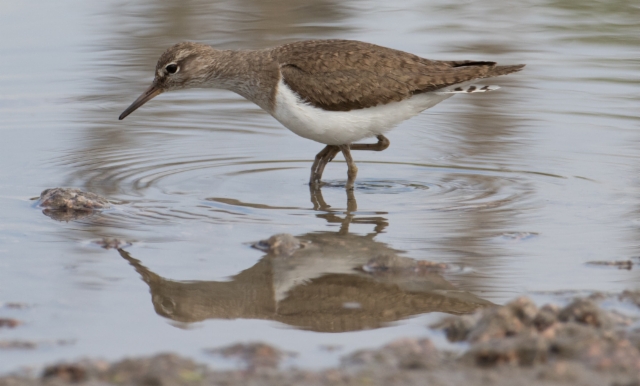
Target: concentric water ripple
[{"x": 156, "y": 189}]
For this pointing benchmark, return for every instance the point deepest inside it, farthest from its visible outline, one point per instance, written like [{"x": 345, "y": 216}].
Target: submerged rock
[
  {"x": 65, "y": 204},
  {"x": 72, "y": 199}
]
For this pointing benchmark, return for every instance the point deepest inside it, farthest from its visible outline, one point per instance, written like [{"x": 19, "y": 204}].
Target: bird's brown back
[{"x": 343, "y": 75}]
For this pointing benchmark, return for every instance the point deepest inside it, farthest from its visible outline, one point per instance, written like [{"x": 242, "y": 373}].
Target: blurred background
[{"x": 516, "y": 189}]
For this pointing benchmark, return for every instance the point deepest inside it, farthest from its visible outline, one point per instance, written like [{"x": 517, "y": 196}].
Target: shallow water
[{"x": 517, "y": 188}]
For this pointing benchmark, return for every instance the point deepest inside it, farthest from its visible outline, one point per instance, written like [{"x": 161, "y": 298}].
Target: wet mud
[{"x": 516, "y": 344}]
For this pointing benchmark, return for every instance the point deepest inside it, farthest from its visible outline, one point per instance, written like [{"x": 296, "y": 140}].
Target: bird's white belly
[{"x": 343, "y": 127}]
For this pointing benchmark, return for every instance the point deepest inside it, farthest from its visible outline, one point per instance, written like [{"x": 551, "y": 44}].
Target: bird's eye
[{"x": 171, "y": 68}]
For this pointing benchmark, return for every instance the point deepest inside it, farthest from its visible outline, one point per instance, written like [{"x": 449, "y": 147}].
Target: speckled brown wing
[{"x": 343, "y": 75}]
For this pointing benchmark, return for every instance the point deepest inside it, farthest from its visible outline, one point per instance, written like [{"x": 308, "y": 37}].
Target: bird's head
[{"x": 183, "y": 65}]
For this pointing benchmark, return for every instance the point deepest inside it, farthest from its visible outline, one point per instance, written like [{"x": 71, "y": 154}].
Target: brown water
[{"x": 517, "y": 188}]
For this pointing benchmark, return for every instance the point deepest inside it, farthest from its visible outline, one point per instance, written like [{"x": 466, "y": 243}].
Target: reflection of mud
[
  {"x": 320, "y": 287},
  {"x": 66, "y": 204}
]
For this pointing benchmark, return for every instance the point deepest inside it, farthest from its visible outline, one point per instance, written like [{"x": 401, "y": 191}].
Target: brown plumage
[{"x": 342, "y": 75}]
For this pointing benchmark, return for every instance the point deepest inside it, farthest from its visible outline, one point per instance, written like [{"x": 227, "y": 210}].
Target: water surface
[{"x": 517, "y": 188}]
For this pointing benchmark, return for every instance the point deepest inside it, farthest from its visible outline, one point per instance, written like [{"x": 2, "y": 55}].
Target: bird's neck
[{"x": 252, "y": 74}]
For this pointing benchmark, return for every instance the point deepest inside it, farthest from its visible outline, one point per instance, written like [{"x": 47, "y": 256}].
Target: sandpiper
[{"x": 335, "y": 92}]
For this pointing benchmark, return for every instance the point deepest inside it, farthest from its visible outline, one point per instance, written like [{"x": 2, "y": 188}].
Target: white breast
[{"x": 343, "y": 127}]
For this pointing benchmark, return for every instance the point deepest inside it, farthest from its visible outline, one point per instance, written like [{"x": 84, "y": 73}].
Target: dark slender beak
[{"x": 146, "y": 96}]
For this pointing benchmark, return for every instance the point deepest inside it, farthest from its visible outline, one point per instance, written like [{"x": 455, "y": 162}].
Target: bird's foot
[
  {"x": 325, "y": 156},
  {"x": 352, "y": 170}
]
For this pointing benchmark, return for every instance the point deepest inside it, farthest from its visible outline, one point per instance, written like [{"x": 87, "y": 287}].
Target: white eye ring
[{"x": 171, "y": 68}]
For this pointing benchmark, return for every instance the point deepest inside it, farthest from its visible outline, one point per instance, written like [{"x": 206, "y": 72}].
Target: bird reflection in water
[{"x": 318, "y": 285}]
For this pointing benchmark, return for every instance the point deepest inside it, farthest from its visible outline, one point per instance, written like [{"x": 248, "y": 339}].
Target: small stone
[
  {"x": 523, "y": 350},
  {"x": 9, "y": 323},
  {"x": 546, "y": 317},
  {"x": 16, "y": 306},
  {"x": 409, "y": 354},
  {"x": 66, "y": 373},
  {"x": 498, "y": 323},
  {"x": 457, "y": 328},
  {"x": 255, "y": 355},
  {"x": 524, "y": 309},
  {"x": 585, "y": 312},
  {"x": 17, "y": 345},
  {"x": 620, "y": 264},
  {"x": 633, "y": 296}
]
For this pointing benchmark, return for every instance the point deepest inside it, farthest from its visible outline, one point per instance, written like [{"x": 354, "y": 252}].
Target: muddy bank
[{"x": 516, "y": 344}]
